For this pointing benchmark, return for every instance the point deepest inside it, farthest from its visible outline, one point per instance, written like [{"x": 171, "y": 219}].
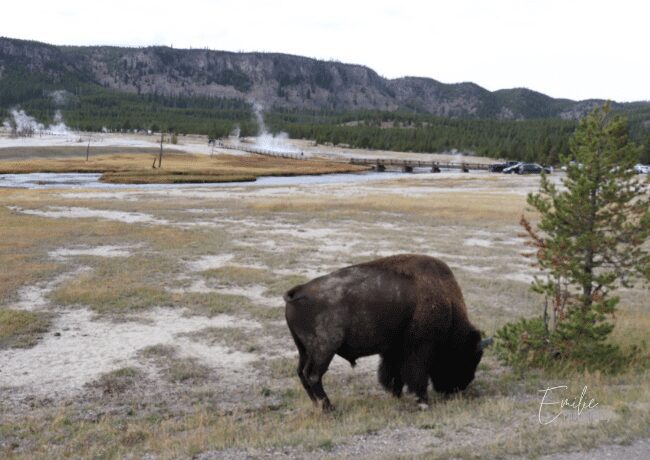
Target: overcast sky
[{"x": 576, "y": 49}]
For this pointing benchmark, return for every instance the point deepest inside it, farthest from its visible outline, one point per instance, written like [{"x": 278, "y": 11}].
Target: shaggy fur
[{"x": 407, "y": 308}]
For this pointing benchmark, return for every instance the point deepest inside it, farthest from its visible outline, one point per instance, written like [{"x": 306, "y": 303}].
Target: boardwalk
[
  {"x": 381, "y": 164},
  {"x": 260, "y": 151}
]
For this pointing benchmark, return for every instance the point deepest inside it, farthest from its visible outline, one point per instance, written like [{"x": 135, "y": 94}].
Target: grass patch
[
  {"x": 282, "y": 368},
  {"x": 117, "y": 382},
  {"x": 118, "y": 286},
  {"x": 464, "y": 207},
  {"x": 158, "y": 351},
  {"x": 238, "y": 275},
  {"x": 25, "y": 241},
  {"x": 461, "y": 425},
  {"x": 110, "y": 295},
  {"x": 21, "y": 239},
  {"x": 186, "y": 370},
  {"x": 174, "y": 368},
  {"x": 269, "y": 313},
  {"x": 240, "y": 339},
  {"x": 71, "y": 151},
  {"x": 496, "y": 417},
  {"x": 136, "y": 168},
  {"x": 22, "y": 329},
  {"x": 174, "y": 177},
  {"x": 278, "y": 287},
  {"x": 214, "y": 303}
]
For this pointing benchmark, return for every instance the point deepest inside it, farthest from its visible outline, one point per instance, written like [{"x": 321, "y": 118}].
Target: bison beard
[{"x": 407, "y": 308}]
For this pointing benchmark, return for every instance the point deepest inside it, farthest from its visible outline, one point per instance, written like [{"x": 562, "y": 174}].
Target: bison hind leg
[
  {"x": 389, "y": 374},
  {"x": 313, "y": 372},
  {"x": 302, "y": 364}
]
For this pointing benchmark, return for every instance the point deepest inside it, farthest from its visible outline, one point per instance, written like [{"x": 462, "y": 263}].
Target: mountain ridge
[{"x": 271, "y": 79}]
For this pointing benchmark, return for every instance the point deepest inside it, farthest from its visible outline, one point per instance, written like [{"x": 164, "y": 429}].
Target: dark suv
[
  {"x": 499, "y": 167},
  {"x": 531, "y": 168}
]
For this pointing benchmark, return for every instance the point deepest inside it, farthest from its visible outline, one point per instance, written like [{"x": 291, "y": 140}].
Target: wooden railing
[
  {"x": 260, "y": 151},
  {"x": 408, "y": 165}
]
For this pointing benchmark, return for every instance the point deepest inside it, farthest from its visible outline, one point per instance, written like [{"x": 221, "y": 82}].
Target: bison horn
[{"x": 485, "y": 343}]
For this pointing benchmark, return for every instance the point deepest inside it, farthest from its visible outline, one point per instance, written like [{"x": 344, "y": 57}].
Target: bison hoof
[
  {"x": 423, "y": 406},
  {"x": 326, "y": 406}
]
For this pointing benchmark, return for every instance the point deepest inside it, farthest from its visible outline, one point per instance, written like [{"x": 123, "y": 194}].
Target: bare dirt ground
[
  {"x": 328, "y": 151},
  {"x": 74, "y": 144},
  {"x": 165, "y": 333}
]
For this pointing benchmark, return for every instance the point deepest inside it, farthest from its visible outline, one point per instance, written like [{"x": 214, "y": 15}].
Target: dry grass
[
  {"x": 158, "y": 351},
  {"x": 186, "y": 370},
  {"x": 22, "y": 329},
  {"x": 117, "y": 382},
  {"x": 21, "y": 242},
  {"x": 177, "y": 167},
  {"x": 459, "y": 427},
  {"x": 280, "y": 285},
  {"x": 281, "y": 368},
  {"x": 159, "y": 176},
  {"x": 20, "y": 154},
  {"x": 114, "y": 286},
  {"x": 238, "y": 275},
  {"x": 461, "y": 207},
  {"x": 25, "y": 241},
  {"x": 174, "y": 368},
  {"x": 246, "y": 340},
  {"x": 188, "y": 409},
  {"x": 242, "y": 276},
  {"x": 214, "y": 303}
]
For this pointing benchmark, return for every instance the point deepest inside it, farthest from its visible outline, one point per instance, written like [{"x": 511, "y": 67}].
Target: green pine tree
[{"x": 589, "y": 242}]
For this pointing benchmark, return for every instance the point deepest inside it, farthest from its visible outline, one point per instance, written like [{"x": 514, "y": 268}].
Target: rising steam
[
  {"x": 268, "y": 141},
  {"x": 23, "y": 125}
]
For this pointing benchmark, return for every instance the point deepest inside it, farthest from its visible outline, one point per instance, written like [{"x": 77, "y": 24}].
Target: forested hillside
[
  {"x": 541, "y": 140},
  {"x": 211, "y": 92}
]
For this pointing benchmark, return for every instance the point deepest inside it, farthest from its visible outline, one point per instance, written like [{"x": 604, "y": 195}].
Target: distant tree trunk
[
  {"x": 88, "y": 150},
  {"x": 160, "y": 155}
]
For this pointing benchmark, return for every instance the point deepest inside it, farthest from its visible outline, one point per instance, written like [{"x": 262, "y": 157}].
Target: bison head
[{"x": 454, "y": 365}]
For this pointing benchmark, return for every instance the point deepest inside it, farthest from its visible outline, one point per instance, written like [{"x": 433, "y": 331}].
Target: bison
[{"x": 407, "y": 308}]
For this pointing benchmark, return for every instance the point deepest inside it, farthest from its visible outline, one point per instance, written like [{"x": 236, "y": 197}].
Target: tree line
[
  {"x": 533, "y": 140},
  {"x": 92, "y": 108},
  {"x": 104, "y": 110},
  {"x": 540, "y": 140}
]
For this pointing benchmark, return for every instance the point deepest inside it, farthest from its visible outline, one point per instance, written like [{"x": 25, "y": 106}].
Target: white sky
[{"x": 577, "y": 49}]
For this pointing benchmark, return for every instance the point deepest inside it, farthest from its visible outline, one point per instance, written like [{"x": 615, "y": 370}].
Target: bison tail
[{"x": 293, "y": 294}]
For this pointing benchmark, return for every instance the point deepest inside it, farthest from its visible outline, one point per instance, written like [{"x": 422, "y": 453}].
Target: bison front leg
[
  {"x": 313, "y": 372},
  {"x": 390, "y": 373},
  {"x": 415, "y": 372}
]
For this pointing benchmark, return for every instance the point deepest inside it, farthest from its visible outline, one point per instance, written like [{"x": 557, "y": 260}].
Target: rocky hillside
[{"x": 270, "y": 79}]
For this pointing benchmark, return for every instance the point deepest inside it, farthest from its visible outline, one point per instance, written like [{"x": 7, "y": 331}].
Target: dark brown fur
[{"x": 407, "y": 308}]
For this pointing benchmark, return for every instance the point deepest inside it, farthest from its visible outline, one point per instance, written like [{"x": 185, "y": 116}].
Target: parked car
[
  {"x": 499, "y": 167},
  {"x": 512, "y": 169},
  {"x": 529, "y": 168},
  {"x": 642, "y": 169}
]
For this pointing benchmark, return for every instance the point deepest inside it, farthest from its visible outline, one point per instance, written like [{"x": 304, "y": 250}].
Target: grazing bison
[{"x": 407, "y": 308}]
